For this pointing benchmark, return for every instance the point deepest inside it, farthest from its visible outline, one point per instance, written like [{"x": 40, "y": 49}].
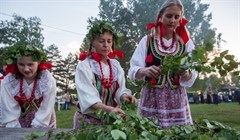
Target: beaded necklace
[
  {"x": 22, "y": 96},
  {"x": 167, "y": 47},
  {"x": 107, "y": 83}
]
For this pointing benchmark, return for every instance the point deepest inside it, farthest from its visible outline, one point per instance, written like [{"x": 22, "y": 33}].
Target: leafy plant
[
  {"x": 136, "y": 127},
  {"x": 198, "y": 60}
]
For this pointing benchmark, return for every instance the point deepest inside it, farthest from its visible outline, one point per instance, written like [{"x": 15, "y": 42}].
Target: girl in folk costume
[
  {"x": 164, "y": 97},
  {"x": 99, "y": 78},
  {"x": 28, "y": 90}
]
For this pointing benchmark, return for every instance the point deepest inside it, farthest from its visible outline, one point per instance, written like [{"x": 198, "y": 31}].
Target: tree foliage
[
  {"x": 68, "y": 72},
  {"x": 55, "y": 58},
  {"x": 22, "y": 31},
  {"x": 63, "y": 68}
]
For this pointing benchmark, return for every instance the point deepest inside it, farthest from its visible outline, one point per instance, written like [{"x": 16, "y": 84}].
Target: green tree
[
  {"x": 22, "y": 31},
  {"x": 55, "y": 58},
  {"x": 68, "y": 72},
  {"x": 1, "y": 61},
  {"x": 235, "y": 80}
]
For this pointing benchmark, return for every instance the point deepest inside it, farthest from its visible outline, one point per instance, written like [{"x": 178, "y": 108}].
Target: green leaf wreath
[
  {"x": 98, "y": 27},
  {"x": 13, "y": 53}
]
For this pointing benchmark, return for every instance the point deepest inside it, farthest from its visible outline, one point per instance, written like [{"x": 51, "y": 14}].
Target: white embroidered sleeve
[
  {"x": 138, "y": 59},
  {"x": 10, "y": 108},
  {"x": 88, "y": 95}
]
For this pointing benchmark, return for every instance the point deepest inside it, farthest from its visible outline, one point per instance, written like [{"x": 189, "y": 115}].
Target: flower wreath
[
  {"x": 98, "y": 28},
  {"x": 13, "y": 53}
]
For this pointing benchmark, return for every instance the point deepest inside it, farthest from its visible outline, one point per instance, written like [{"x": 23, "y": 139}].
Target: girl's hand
[
  {"x": 185, "y": 74},
  {"x": 129, "y": 98},
  {"x": 152, "y": 71},
  {"x": 119, "y": 111}
]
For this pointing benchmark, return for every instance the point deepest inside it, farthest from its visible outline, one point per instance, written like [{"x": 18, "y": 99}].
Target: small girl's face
[
  {"x": 171, "y": 17},
  {"x": 27, "y": 67},
  {"x": 103, "y": 44}
]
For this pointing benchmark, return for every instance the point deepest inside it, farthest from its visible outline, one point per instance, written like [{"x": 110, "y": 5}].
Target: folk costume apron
[{"x": 163, "y": 99}]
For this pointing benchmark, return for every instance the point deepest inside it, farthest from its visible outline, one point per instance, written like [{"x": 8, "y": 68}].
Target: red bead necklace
[
  {"x": 22, "y": 96},
  {"x": 167, "y": 47},
  {"x": 107, "y": 83}
]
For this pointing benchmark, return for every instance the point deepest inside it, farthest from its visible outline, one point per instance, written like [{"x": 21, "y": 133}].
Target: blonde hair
[
  {"x": 169, "y": 3},
  {"x": 164, "y": 6}
]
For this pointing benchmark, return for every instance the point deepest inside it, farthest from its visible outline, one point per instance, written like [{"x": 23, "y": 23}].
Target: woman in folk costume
[
  {"x": 99, "y": 77},
  {"x": 28, "y": 90},
  {"x": 164, "y": 97}
]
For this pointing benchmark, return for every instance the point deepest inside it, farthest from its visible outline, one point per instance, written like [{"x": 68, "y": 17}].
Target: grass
[
  {"x": 225, "y": 113},
  {"x": 65, "y": 117}
]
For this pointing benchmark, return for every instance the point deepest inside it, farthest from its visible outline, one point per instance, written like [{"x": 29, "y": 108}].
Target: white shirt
[
  {"x": 138, "y": 59},
  {"x": 88, "y": 95},
  {"x": 46, "y": 87}
]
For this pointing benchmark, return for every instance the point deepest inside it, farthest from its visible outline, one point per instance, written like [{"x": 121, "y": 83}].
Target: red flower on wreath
[
  {"x": 116, "y": 53},
  {"x": 45, "y": 65},
  {"x": 11, "y": 68},
  {"x": 83, "y": 55}
]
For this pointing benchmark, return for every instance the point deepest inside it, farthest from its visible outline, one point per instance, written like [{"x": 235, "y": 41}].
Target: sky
[{"x": 65, "y": 21}]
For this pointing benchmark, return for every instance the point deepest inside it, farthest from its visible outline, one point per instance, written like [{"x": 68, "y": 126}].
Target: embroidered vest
[
  {"x": 27, "y": 106},
  {"x": 107, "y": 95},
  {"x": 157, "y": 59}
]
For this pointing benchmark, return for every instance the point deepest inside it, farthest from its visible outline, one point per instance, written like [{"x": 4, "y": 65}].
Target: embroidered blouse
[
  {"x": 85, "y": 80},
  {"x": 11, "y": 111},
  {"x": 138, "y": 59}
]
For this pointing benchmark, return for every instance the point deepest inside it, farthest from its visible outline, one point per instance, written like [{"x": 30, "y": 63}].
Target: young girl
[
  {"x": 164, "y": 96},
  {"x": 99, "y": 78},
  {"x": 28, "y": 90}
]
